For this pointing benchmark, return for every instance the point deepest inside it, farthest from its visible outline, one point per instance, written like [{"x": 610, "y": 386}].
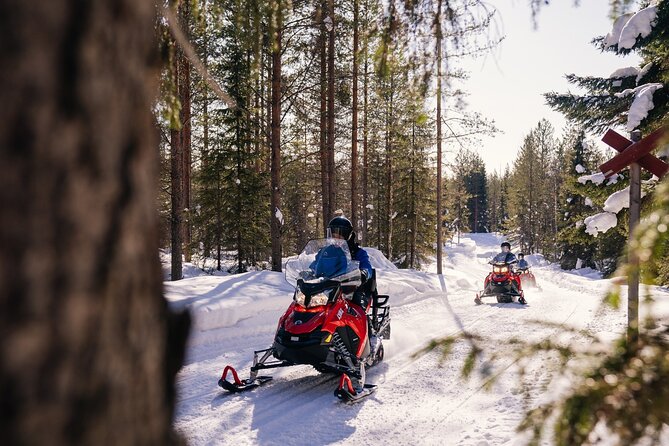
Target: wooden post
[{"x": 633, "y": 258}]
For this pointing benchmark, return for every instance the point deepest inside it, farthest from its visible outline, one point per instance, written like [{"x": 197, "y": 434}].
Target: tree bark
[
  {"x": 439, "y": 211},
  {"x": 84, "y": 328},
  {"x": 332, "y": 191},
  {"x": 176, "y": 181},
  {"x": 276, "y": 144},
  {"x": 365, "y": 131},
  {"x": 185, "y": 117},
  {"x": 389, "y": 168},
  {"x": 325, "y": 159},
  {"x": 354, "y": 130}
]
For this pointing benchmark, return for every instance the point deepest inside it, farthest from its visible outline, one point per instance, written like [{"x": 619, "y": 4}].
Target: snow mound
[
  {"x": 378, "y": 260},
  {"x": 217, "y": 302},
  {"x": 536, "y": 260}
]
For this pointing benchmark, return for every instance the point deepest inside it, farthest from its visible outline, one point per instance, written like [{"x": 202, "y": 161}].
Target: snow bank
[
  {"x": 218, "y": 302},
  {"x": 378, "y": 260}
]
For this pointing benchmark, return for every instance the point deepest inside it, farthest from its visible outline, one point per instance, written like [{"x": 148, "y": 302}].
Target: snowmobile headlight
[
  {"x": 316, "y": 300},
  {"x": 500, "y": 269}
]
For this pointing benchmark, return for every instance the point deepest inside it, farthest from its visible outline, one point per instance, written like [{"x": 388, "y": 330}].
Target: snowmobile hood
[{"x": 300, "y": 320}]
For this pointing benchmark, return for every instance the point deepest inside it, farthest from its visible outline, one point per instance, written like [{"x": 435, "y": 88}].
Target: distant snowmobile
[
  {"x": 527, "y": 278},
  {"x": 502, "y": 283},
  {"x": 322, "y": 327}
]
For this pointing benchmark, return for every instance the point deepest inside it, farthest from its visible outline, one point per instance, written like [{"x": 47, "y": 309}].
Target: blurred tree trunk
[{"x": 84, "y": 327}]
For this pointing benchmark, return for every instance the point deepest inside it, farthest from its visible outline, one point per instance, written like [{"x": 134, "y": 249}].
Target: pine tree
[
  {"x": 608, "y": 100},
  {"x": 577, "y": 247},
  {"x": 476, "y": 188}
]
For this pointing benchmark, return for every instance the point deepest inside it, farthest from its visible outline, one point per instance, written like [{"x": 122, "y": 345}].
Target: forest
[{"x": 349, "y": 109}]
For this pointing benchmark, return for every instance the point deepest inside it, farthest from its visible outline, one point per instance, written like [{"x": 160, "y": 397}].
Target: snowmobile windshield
[{"x": 324, "y": 259}]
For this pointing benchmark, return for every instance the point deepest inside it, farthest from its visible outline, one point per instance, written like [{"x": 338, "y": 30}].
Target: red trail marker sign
[
  {"x": 635, "y": 154},
  {"x": 638, "y": 152}
]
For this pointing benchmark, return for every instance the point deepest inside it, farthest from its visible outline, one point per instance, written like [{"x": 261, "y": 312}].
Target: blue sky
[{"x": 507, "y": 84}]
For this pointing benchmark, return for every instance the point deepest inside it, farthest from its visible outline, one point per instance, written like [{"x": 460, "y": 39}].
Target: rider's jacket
[{"x": 507, "y": 257}]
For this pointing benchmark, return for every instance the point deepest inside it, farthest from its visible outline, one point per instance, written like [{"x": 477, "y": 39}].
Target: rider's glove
[{"x": 363, "y": 276}]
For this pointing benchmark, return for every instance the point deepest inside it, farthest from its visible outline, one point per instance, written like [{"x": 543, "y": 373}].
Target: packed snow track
[{"x": 421, "y": 398}]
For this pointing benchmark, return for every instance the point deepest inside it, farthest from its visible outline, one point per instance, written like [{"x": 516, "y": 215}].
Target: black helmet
[
  {"x": 341, "y": 226},
  {"x": 507, "y": 244}
]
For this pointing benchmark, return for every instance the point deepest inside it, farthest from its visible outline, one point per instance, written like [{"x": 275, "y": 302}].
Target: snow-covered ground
[{"x": 421, "y": 399}]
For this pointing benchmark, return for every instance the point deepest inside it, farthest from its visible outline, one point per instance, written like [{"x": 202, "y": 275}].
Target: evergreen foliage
[{"x": 532, "y": 195}]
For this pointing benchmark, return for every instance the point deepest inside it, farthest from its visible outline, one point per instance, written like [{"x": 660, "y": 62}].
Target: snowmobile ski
[
  {"x": 240, "y": 385},
  {"x": 346, "y": 393}
]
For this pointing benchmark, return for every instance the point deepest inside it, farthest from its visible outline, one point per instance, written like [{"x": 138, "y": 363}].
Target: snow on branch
[
  {"x": 597, "y": 178},
  {"x": 601, "y": 222},
  {"x": 628, "y": 27},
  {"x": 642, "y": 104}
]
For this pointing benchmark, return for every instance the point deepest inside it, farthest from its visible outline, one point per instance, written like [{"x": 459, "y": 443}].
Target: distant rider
[
  {"x": 341, "y": 228},
  {"x": 522, "y": 263}
]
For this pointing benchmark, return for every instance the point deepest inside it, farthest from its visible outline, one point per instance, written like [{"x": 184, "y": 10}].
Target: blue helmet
[{"x": 330, "y": 262}]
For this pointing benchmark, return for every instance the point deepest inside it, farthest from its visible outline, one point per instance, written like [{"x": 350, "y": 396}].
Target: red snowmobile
[
  {"x": 527, "y": 278},
  {"x": 502, "y": 283},
  {"x": 322, "y": 327}
]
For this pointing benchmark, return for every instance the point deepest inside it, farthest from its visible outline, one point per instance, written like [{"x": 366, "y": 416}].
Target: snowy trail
[{"x": 420, "y": 398}]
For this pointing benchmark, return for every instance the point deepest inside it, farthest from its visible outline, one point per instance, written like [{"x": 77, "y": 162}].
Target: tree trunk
[
  {"x": 332, "y": 191},
  {"x": 354, "y": 132},
  {"x": 276, "y": 144},
  {"x": 176, "y": 181},
  {"x": 414, "y": 217},
  {"x": 185, "y": 118},
  {"x": 439, "y": 229},
  {"x": 325, "y": 159},
  {"x": 84, "y": 356},
  {"x": 389, "y": 170},
  {"x": 365, "y": 131}
]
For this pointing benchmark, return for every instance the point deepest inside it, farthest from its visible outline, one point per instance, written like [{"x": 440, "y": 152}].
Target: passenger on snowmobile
[
  {"x": 341, "y": 228},
  {"x": 526, "y": 276},
  {"x": 506, "y": 256},
  {"x": 522, "y": 263}
]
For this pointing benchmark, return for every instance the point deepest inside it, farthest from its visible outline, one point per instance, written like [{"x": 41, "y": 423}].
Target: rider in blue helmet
[{"x": 341, "y": 228}]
